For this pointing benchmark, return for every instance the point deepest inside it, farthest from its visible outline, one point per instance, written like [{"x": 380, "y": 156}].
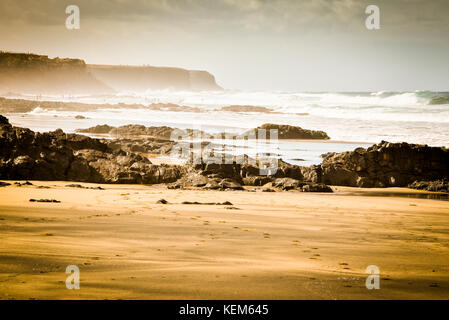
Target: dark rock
[
  {"x": 229, "y": 184},
  {"x": 162, "y": 201},
  {"x": 99, "y": 129},
  {"x": 226, "y": 203},
  {"x": 55, "y": 155},
  {"x": 256, "y": 180},
  {"x": 79, "y": 170},
  {"x": 386, "y": 165},
  {"x": 83, "y": 187},
  {"x": 4, "y": 184},
  {"x": 435, "y": 186},
  {"x": 288, "y": 132},
  {"x": 316, "y": 187},
  {"x": 212, "y": 185},
  {"x": 287, "y": 184},
  {"x": 193, "y": 179},
  {"x": 45, "y": 200},
  {"x": 3, "y": 120}
]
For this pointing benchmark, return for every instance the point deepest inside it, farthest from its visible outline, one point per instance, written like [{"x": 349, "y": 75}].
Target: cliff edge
[
  {"x": 141, "y": 78},
  {"x": 39, "y": 74}
]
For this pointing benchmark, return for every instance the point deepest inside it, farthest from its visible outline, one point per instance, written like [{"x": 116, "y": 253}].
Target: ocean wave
[
  {"x": 416, "y": 106},
  {"x": 439, "y": 100}
]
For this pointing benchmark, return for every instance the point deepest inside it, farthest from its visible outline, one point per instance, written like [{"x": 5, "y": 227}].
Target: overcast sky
[{"x": 313, "y": 45}]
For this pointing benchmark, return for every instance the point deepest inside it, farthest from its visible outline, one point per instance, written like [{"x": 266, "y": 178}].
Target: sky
[{"x": 278, "y": 45}]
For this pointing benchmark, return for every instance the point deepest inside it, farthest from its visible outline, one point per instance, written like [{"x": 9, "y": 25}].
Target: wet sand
[{"x": 287, "y": 245}]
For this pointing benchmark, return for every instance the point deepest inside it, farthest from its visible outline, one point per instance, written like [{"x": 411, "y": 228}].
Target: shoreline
[{"x": 403, "y": 192}]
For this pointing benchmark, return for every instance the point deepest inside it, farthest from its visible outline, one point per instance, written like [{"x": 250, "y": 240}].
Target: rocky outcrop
[
  {"x": 136, "y": 130},
  {"x": 435, "y": 186},
  {"x": 21, "y": 105},
  {"x": 144, "y": 145},
  {"x": 99, "y": 129},
  {"x": 288, "y": 132},
  {"x": 385, "y": 165},
  {"x": 173, "y": 108},
  {"x": 246, "y": 108},
  {"x": 25, "y": 154}
]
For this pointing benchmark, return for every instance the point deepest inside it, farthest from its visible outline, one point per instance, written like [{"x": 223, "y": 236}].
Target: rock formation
[
  {"x": 25, "y": 154},
  {"x": 288, "y": 132},
  {"x": 385, "y": 165}
]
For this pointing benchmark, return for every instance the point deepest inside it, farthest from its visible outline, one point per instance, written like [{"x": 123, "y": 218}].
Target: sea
[{"x": 351, "y": 119}]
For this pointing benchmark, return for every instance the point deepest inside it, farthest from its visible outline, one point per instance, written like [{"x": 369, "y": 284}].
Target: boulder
[
  {"x": 316, "y": 187},
  {"x": 287, "y": 184},
  {"x": 287, "y": 132},
  {"x": 435, "y": 186},
  {"x": 256, "y": 180},
  {"x": 229, "y": 184}
]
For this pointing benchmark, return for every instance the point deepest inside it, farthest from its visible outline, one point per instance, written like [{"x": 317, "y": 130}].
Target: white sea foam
[{"x": 366, "y": 117}]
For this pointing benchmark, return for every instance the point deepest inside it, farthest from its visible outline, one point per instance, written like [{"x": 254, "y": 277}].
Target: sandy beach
[{"x": 283, "y": 245}]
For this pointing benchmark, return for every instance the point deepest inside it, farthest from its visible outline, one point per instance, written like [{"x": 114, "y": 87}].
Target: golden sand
[{"x": 285, "y": 245}]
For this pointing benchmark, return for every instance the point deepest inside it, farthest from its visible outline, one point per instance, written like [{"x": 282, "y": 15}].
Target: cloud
[{"x": 278, "y": 15}]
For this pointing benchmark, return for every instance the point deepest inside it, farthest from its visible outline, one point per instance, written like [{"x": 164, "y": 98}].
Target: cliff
[
  {"x": 141, "y": 78},
  {"x": 39, "y": 74}
]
